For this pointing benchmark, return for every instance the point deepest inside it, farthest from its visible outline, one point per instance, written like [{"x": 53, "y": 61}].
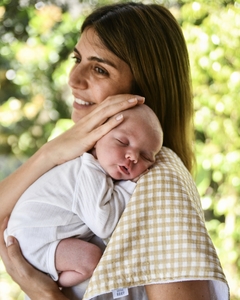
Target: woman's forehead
[
  {"x": 90, "y": 45},
  {"x": 89, "y": 40}
]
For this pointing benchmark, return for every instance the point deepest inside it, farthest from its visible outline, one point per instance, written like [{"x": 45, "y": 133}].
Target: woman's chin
[{"x": 76, "y": 116}]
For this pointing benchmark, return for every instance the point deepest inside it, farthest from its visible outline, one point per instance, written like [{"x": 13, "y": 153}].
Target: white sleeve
[{"x": 98, "y": 201}]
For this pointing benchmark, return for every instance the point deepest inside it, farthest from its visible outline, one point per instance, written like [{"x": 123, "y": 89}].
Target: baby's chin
[{"x": 118, "y": 176}]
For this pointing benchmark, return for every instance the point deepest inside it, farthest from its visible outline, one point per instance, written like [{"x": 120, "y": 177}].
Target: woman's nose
[
  {"x": 133, "y": 156},
  {"x": 78, "y": 78}
]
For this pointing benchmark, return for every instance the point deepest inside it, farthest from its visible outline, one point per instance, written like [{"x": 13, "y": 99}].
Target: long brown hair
[{"x": 149, "y": 39}]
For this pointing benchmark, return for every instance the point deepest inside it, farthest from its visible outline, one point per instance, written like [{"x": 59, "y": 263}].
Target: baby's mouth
[{"x": 124, "y": 170}]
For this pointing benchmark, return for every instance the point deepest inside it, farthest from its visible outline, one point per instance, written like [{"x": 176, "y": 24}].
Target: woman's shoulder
[
  {"x": 167, "y": 158},
  {"x": 169, "y": 165},
  {"x": 168, "y": 162},
  {"x": 170, "y": 174}
]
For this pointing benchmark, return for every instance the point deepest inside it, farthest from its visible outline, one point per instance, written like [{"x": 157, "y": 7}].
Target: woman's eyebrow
[{"x": 98, "y": 59}]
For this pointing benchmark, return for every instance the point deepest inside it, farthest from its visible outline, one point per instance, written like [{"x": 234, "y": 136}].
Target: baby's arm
[{"x": 102, "y": 202}]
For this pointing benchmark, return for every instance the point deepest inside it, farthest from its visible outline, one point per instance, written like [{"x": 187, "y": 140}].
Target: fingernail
[
  {"x": 9, "y": 241},
  {"x": 132, "y": 100},
  {"x": 138, "y": 98},
  {"x": 119, "y": 117}
]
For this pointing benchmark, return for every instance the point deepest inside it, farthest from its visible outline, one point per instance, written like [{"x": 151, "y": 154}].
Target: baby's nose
[{"x": 132, "y": 156}]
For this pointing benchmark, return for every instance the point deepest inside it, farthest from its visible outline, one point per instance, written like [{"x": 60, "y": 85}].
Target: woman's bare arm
[
  {"x": 184, "y": 290},
  {"x": 12, "y": 187},
  {"x": 72, "y": 143}
]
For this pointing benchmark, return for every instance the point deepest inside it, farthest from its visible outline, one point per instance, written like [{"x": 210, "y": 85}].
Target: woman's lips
[{"x": 82, "y": 102}]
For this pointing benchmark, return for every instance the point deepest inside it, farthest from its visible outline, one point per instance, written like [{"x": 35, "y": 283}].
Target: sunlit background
[{"x": 36, "y": 40}]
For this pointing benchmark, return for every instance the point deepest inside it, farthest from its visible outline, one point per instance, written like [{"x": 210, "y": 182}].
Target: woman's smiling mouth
[{"x": 82, "y": 102}]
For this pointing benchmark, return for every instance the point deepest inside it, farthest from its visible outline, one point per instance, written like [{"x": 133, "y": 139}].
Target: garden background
[{"x": 36, "y": 41}]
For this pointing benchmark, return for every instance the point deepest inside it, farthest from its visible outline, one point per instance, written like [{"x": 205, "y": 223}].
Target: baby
[{"x": 60, "y": 212}]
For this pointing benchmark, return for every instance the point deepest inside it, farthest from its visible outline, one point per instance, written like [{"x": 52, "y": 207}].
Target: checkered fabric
[{"x": 161, "y": 236}]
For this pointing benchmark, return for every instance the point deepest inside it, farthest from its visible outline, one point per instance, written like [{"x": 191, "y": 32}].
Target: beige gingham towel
[{"x": 161, "y": 236}]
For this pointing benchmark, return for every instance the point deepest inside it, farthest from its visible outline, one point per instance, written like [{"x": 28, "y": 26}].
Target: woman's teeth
[{"x": 81, "y": 102}]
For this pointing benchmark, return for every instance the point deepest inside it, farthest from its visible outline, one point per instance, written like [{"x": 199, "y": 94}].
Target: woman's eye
[
  {"x": 76, "y": 59},
  {"x": 101, "y": 71}
]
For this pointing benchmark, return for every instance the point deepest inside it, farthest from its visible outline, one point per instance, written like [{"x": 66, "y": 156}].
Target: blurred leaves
[
  {"x": 36, "y": 41},
  {"x": 33, "y": 84},
  {"x": 213, "y": 37}
]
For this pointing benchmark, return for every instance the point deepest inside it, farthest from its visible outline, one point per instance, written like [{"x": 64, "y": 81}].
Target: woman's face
[{"x": 97, "y": 74}]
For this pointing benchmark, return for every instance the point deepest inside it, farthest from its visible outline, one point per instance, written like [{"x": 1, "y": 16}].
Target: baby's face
[{"x": 129, "y": 149}]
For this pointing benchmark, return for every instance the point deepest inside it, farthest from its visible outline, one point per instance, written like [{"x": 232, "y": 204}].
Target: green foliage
[
  {"x": 36, "y": 41},
  {"x": 35, "y": 47},
  {"x": 213, "y": 37}
]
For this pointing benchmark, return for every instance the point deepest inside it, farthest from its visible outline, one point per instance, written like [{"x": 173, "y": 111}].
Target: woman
[{"x": 161, "y": 241}]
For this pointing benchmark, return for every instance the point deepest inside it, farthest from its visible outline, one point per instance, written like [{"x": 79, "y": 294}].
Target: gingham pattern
[{"x": 161, "y": 236}]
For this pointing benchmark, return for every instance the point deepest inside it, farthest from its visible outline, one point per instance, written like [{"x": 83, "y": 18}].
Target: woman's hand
[
  {"x": 71, "y": 144},
  {"x": 88, "y": 130},
  {"x": 34, "y": 283}
]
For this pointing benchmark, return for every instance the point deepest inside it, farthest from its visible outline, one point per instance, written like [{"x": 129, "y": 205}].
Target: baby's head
[{"x": 129, "y": 149}]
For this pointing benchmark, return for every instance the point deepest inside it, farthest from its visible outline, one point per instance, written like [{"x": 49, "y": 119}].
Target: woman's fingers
[
  {"x": 93, "y": 126},
  {"x": 3, "y": 249},
  {"x": 34, "y": 283},
  {"x": 103, "y": 129},
  {"x": 117, "y": 103},
  {"x": 110, "y": 107},
  {"x": 11, "y": 255},
  {"x": 17, "y": 260},
  {"x": 89, "y": 129},
  {"x": 96, "y": 125}
]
